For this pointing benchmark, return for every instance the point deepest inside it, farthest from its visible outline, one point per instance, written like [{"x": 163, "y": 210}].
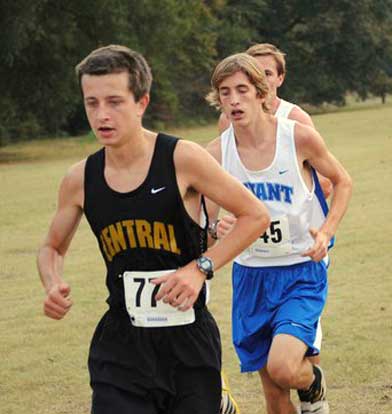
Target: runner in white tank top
[
  {"x": 276, "y": 300},
  {"x": 316, "y": 197},
  {"x": 283, "y": 190},
  {"x": 274, "y": 65}
]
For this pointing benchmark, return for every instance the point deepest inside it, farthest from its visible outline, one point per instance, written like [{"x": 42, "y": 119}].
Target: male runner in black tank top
[{"x": 157, "y": 348}]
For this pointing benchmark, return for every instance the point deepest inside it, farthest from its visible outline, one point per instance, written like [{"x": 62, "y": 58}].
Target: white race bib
[
  {"x": 275, "y": 241},
  {"x": 142, "y": 307}
]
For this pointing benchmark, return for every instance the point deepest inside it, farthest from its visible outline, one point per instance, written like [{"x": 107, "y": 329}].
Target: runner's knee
[{"x": 283, "y": 374}]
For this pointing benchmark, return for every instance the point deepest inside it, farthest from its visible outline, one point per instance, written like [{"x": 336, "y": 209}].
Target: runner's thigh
[
  {"x": 199, "y": 391},
  {"x": 108, "y": 399}
]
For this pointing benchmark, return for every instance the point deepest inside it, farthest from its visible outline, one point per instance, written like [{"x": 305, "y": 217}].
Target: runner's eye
[{"x": 91, "y": 104}]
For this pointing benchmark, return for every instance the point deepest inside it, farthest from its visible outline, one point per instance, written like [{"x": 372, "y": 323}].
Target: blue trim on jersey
[
  {"x": 319, "y": 192},
  {"x": 323, "y": 202}
]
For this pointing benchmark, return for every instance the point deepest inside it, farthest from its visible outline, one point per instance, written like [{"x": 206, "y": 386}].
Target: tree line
[{"x": 332, "y": 48}]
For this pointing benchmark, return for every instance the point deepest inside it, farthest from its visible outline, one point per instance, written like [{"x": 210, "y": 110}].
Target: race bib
[
  {"x": 142, "y": 307},
  {"x": 275, "y": 241}
]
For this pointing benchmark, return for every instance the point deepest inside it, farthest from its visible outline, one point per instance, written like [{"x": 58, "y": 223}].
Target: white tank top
[
  {"x": 284, "y": 108},
  {"x": 281, "y": 187}
]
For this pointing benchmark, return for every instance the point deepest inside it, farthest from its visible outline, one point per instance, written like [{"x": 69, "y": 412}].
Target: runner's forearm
[
  {"x": 340, "y": 199},
  {"x": 50, "y": 266}
]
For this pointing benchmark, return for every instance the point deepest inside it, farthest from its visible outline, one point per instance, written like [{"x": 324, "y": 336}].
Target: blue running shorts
[{"x": 275, "y": 300}]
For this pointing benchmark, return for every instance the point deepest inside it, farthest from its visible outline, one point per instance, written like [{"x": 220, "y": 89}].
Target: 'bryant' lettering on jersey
[
  {"x": 271, "y": 191},
  {"x": 131, "y": 234}
]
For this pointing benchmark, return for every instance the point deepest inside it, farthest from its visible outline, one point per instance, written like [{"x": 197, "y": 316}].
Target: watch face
[{"x": 206, "y": 266}]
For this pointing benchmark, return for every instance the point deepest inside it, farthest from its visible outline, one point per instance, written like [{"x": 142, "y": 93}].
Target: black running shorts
[{"x": 172, "y": 370}]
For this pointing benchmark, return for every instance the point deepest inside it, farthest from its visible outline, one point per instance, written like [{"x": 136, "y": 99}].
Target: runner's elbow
[
  {"x": 346, "y": 182},
  {"x": 349, "y": 182},
  {"x": 263, "y": 219}
]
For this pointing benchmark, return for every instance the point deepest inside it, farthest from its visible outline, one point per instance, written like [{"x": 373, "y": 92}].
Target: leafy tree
[
  {"x": 41, "y": 42},
  {"x": 330, "y": 46},
  {"x": 381, "y": 85}
]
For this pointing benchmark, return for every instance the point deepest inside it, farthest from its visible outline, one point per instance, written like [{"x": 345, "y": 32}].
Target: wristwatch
[{"x": 206, "y": 266}]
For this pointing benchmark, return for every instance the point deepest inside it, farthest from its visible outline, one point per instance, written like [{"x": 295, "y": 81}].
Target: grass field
[{"x": 43, "y": 362}]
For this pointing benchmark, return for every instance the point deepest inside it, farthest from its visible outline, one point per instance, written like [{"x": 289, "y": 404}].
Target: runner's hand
[
  {"x": 181, "y": 288},
  {"x": 57, "y": 302},
  {"x": 225, "y": 225},
  {"x": 320, "y": 247}
]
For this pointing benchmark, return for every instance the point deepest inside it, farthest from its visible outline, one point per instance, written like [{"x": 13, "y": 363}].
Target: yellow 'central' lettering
[
  {"x": 131, "y": 234},
  {"x": 173, "y": 241},
  {"x": 160, "y": 236},
  {"x": 143, "y": 231},
  {"x": 128, "y": 224},
  {"x": 108, "y": 241},
  {"x": 117, "y": 236}
]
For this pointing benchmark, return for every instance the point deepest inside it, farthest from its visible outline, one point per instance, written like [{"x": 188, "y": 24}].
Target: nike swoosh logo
[
  {"x": 283, "y": 172},
  {"x": 157, "y": 190}
]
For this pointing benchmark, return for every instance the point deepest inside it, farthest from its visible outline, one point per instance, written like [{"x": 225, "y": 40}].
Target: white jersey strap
[{"x": 284, "y": 108}]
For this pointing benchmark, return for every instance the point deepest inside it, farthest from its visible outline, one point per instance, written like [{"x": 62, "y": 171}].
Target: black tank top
[{"x": 145, "y": 229}]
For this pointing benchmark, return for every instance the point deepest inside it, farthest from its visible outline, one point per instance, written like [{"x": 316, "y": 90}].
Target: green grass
[{"x": 43, "y": 362}]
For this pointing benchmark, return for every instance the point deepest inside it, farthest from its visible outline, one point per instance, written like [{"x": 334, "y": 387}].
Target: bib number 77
[
  {"x": 150, "y": 293},
  {"x": 142, "y": 306}
]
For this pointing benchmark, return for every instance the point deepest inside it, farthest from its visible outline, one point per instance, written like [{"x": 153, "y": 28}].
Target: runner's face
[
  {"x": 238, "y": 98},
  {"x": 111, "y": 108},
  {"x": 268, "y": 64}
]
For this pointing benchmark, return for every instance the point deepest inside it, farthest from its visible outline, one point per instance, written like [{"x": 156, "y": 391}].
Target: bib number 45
[
  {"x": 273, "y": 234},
  {"x": 275, "y": 242}
]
